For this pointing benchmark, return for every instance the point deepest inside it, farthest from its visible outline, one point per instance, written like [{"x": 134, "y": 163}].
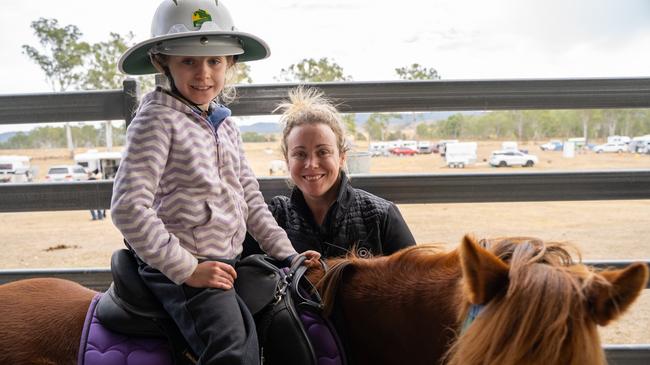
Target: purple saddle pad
[{"x": 99, "y": 346}]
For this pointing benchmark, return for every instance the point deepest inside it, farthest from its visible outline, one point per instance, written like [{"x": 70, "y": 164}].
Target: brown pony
[{"x": 539, "y": 307}]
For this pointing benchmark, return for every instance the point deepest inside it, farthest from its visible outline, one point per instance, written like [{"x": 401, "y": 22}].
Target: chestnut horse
[{"x": 539, "y": 307}]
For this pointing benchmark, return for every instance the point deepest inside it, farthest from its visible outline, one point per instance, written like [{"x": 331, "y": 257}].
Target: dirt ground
[{"x": 600, "y": 229}]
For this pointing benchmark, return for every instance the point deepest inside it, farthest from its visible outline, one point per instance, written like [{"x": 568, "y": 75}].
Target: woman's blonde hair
[
  {"x": 229, "y": 92},
  {"x": 308, "y": 106}
]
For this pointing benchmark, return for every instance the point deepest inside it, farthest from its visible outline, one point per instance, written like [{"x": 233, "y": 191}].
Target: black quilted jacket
[{"x": 369, "y": 224}]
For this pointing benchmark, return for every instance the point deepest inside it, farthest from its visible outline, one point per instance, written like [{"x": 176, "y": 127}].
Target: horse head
[{"x": 539, "y": 306}]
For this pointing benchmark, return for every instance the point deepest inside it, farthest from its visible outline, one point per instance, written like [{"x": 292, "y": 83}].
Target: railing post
[{"x": 131, "y": 97}]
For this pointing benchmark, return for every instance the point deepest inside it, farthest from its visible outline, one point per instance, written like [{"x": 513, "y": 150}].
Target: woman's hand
[
  {"x": 212, "y": 274},
  {"x": 311, "y": 260}
]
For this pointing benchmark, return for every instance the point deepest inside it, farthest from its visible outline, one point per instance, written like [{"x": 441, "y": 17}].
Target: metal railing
[{"x": 361, "y": 97}]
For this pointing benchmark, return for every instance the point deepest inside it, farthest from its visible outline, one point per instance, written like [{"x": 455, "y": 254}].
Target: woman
[{"x": 324, "y": 212}]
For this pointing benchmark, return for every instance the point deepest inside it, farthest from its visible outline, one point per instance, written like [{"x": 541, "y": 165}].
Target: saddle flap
[
  {"x": 114, "y": 317},
  {"x": 130, "y": 288}
]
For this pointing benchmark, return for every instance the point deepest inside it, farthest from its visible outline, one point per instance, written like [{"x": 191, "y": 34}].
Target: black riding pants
[{"x": 215, "y": 323}]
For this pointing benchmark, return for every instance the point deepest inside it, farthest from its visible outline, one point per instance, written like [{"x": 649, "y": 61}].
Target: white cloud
[{"x": 462, "y": 39}]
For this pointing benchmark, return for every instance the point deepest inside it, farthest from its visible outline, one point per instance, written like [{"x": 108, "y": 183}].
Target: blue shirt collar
[{"x": 218, "y": 115}]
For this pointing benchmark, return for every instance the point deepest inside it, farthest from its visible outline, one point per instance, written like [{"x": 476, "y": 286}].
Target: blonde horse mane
[{"x": 542, "y": 317}]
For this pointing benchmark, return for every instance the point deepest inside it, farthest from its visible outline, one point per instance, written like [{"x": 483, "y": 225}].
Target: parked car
[
  {"x": 378, "y": 149},
  {"x": 66, "y": 173},
  {"x": 15, "y": 169},
  {"x": 610, "y": 147},
  {"x": 505, "y": 158},
  {"x": 402, "y": 151},
  {"x": 553, "y": 145},
  {"x": 425, "y": 147}
]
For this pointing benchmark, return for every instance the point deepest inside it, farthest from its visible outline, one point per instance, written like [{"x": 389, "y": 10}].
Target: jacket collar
[{"x": 218, "y": 113}]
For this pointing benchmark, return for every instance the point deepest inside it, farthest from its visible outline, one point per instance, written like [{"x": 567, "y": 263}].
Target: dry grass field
[{"x": 600, "y": 229}]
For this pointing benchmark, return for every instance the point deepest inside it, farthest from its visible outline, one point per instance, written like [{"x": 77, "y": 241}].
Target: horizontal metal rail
[
  {"x": 78, "y": 106},
  {"x": 628, "y": 354},
  {"x": 355, "y": 97},
  {"x": 100, "y": 278},
  {"x": 406, "y": 96},
  {"x": 399, "y": 188}
]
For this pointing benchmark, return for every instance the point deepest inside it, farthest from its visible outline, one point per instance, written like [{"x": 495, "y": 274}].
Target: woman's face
[
  {"x": 314, "y": 161},
  {"x": 199, "y": 79}
]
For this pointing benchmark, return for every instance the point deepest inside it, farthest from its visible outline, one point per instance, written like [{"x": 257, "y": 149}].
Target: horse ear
[
  {"x": 610, "y": 301},
  {"x": 485, "y": 274}
]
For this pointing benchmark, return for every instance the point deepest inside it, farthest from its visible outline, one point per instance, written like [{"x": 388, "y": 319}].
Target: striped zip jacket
[{"x": 184, "y": 191}]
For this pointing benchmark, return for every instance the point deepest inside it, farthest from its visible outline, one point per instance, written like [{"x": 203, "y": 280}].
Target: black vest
[{"x": 357, "y": 220}]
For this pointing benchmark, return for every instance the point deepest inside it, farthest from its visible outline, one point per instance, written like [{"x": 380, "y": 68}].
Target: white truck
[
  {"x": 15, "y": 169},
  {"x": 460, "y": 154},
  {"x": 104, "y": 163}
]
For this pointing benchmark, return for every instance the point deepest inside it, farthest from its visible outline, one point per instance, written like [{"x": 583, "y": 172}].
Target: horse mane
[
  {"x": 411, "y": 262},
  {"x": 541, "y": 317}
]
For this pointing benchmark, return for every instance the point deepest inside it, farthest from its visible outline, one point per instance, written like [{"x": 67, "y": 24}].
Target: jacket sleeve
[
  {"x": 147, "y": 147},
  {"x": 260, "y": 223},
  {"x": 395, "y": 233}
]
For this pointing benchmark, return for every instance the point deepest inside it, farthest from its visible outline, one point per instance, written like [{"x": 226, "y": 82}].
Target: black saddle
[{"x": 285, "y": 307}]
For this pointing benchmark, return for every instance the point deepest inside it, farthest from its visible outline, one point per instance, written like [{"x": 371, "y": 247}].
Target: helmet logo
[{"x": 199, "y": 17}]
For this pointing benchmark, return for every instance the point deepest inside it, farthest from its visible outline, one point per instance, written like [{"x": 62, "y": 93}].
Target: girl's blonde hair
[
  {"x": 229, "y": 92},
  {"x": 308, "y": 106}
]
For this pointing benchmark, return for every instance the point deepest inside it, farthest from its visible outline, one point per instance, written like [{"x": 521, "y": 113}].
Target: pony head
[{"x": 539, "y": 305}]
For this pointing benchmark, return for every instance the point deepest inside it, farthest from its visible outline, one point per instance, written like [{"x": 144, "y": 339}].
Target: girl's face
[
  {"x": 314, "y": 161},
  {"x": 199, "y": 79}
]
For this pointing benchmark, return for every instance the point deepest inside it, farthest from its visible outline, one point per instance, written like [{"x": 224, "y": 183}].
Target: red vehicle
[{"x": 402, "y": 151}]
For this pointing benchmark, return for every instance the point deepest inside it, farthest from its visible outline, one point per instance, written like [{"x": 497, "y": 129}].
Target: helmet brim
[{"x": 136, "y": 61}]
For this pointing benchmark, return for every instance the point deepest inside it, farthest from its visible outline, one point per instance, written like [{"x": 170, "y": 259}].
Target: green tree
[
  {"x": 253, "y": 137},
  {"x": 424, "y": 130},
  {"x": 62, "y": 57},
  {"x": 349, "y": 121},
  {"x": 312, "y": 70},
  {"x": 417, "y": 72},
  {"x": 242, "y": 74},
  {"x": 103, "y": 73},
  {"x": 377, "y": 125},
  {"x": 322, "y": 70},
  {"x": 452, "y": 126}
]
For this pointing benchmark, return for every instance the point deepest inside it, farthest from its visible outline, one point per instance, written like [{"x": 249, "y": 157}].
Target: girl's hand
[
  {"x": 312, "y": 258},
  {"x": 212, "y": 274}
]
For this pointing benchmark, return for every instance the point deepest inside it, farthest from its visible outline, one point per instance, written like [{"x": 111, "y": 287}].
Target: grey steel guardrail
[
  {"x": 399, "y": 188},
  {"x": 353, "y": 97},
  {"x": 99, "y": 278}
]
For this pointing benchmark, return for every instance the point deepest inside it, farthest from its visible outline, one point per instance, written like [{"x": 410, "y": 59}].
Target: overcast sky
[{"x": 461, "y": 39}]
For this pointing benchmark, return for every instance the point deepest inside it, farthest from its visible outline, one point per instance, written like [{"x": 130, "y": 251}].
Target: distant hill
[
  {"x": 407, "y": 118},
  {"x": 4, "y": 137},
  {"x": 261, "y": 128},
  {"x": 361, "y": 118}
]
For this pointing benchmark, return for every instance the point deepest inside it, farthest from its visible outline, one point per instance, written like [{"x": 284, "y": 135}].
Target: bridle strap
[{"x": 474, "y": 311}]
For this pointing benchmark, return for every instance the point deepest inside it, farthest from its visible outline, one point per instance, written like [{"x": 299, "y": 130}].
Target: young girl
[
  {"x": 184, "y": 194},
  {"x": 325, "y": 213}
]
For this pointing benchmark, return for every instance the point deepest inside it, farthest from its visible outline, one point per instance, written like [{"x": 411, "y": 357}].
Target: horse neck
[{"x": 409, "y": 300}]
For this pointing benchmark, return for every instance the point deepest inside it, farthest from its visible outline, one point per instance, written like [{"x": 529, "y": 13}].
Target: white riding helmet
[{"x": 192, "y": 28}]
